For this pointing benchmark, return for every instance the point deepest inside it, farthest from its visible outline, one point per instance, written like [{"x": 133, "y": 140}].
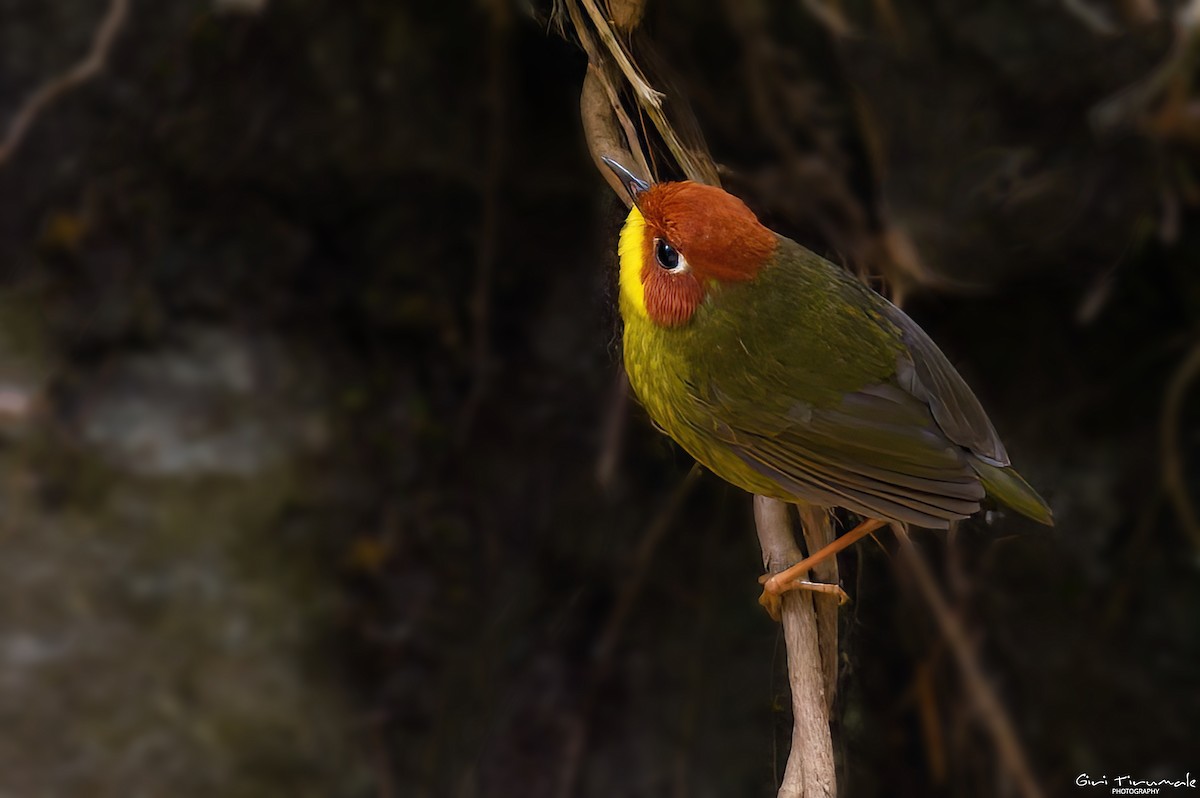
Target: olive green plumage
[{"x": 804, "y": 385}]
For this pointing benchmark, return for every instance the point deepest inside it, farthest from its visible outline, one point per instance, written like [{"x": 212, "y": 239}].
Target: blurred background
[{"x": 318, "y": 477}]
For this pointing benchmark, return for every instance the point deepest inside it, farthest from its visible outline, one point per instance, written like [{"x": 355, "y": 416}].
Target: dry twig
[
  {"x": 481, "y": 296},
  {"x": 609, "y": 130},
  {"x": 613, "y": 431},
  {"x": 695, "y": 164},
  {"x": 830, "y": 15},
  {"x": 51, "y": 90},
  {"x": 606, "y": 646},
  {"x": 1094, "y": 19},
  {"x": 648, "y": 97},
  {"x": 999, "y": 726}
]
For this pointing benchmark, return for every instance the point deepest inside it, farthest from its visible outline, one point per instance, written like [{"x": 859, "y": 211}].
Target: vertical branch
[
  {"x": 817, "y": 525},
  {"x": 810, "y": 771}
]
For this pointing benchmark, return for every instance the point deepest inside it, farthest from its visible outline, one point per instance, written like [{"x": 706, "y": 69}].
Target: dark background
[{"x": 315, "y": 475}]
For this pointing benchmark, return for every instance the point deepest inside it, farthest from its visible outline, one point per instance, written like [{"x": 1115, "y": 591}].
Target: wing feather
[
  {"x": 930, "y": 377},
  {"x": 879, "y": 453},
  {"x": 813, "y": 486},
  {"x": 845, "y": 403}
]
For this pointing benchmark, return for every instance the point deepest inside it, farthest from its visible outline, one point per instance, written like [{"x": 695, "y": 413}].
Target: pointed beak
[{"x": 633, "y": 184}]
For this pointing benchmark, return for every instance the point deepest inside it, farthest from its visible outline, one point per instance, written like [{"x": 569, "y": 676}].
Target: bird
[{"x": 786, "y": 376}]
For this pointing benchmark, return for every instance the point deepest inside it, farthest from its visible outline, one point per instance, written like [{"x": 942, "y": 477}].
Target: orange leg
[{"x": 776, "y": 585}]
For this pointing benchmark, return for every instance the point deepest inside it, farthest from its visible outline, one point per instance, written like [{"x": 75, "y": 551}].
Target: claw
[
  {"x": 772, "y": 591},
  {"x": 771, "y": 603}
]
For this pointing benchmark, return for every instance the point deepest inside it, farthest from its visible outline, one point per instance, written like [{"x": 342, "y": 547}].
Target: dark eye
[{"x": 666, "y": 255}]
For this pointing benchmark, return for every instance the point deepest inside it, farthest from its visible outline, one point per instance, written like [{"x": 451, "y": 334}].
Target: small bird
[{"x": 787, "y": 377}]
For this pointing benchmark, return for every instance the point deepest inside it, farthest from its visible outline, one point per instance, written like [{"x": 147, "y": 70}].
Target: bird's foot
[
  {"x": 774, "y": 588},
  {"x": 775, "y": 585}
]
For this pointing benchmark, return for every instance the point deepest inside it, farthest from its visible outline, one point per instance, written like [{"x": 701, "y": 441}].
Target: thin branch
[
  {"x": 925, "y": 698},
  {"x": 810, "y": 770},
  {"x": 1093, "y": 19},
  {"x": 1167, "y": 83},
  {"x": 51, "y": 90},
  {"x": 830, "y": 16},
  {"x": 639, "y": 569},
  {"x": 496, "y": 101},
  {"x": 1174, "y": 479},
  {"x": 601, "y": 112},
  {"x": 697, "y": 167},
  {"x": 606, "y": 646},
  {"x": 983, "y": 697},
  {"x": 1138, "y": 12},
  {"x": 647, "y": 95},
  {"x": 613, "y": 431}
]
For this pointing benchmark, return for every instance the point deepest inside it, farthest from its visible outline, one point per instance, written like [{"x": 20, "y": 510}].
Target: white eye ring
[{"x": 668, "y": 258}]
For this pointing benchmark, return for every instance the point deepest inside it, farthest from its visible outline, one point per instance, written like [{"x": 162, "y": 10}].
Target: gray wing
[
  {"x": 879, "y": 453},
  {"x": 928, "y": 375}
]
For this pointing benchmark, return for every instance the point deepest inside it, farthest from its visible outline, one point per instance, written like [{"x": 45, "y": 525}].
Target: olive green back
[{"x": 805, "y": 385}]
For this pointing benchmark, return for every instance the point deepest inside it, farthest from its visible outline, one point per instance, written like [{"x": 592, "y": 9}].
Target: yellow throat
[{"x": 630, "y": 250}]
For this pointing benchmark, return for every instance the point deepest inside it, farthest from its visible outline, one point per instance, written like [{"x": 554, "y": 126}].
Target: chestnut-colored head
[{"x": 680, "y": 240}]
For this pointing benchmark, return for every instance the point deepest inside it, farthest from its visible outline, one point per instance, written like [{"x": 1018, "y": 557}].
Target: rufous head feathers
[{"x": 680, "y": 239}]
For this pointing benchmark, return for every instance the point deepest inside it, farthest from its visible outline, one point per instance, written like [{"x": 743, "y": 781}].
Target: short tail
[{"x": 1006, "y": 486}]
